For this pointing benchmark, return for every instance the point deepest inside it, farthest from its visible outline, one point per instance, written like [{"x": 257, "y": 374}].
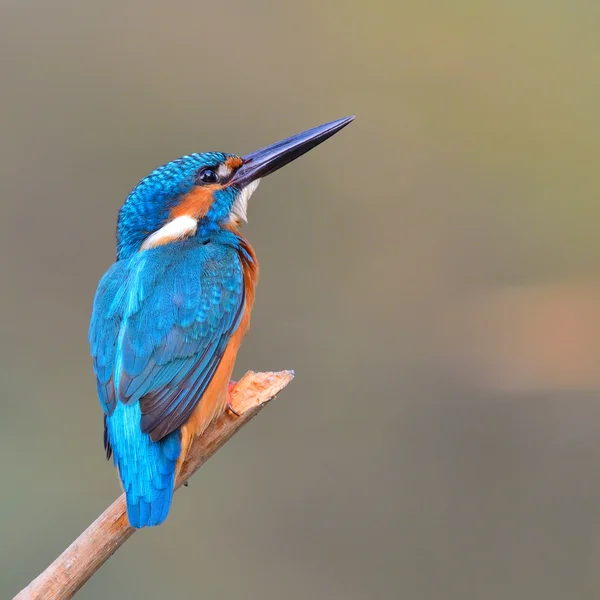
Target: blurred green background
[{"x": 431, "y": 273}]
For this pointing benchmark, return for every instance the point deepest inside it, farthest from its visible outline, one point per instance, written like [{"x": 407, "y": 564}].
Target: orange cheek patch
[{"x": 196, "y": 203}]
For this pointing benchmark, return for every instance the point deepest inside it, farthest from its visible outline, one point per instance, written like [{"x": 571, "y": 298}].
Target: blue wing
[{"x": 160, "y": 325}]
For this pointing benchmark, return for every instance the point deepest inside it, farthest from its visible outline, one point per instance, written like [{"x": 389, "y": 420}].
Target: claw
[{"x": 232, "y": 385}]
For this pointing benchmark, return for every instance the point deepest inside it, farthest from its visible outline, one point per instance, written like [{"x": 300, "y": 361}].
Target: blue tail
[{"x": 147, "y": 468}]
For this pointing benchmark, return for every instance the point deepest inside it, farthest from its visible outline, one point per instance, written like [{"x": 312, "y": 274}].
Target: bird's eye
[{"x": 208, "y": 176}]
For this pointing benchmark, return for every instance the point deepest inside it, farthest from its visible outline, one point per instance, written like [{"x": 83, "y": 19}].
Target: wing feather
[{"x": 163, "y": 320}]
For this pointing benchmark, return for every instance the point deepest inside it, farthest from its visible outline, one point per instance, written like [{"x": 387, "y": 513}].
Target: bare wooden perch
[{"x": 67, "y": 574}]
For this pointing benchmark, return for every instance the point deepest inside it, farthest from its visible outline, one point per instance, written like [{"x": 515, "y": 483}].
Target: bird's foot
[{"x": 232, "y": 385}]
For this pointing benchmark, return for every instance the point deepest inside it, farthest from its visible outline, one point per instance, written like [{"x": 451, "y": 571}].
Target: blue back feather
[{"x": 160, "y": 324}]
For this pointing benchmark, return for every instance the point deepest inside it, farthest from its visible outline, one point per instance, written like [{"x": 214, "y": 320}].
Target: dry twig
[{"x": 67, "y": 574}]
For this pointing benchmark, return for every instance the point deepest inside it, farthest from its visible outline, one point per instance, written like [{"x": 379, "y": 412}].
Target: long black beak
[{"x": 267, "y": 160}]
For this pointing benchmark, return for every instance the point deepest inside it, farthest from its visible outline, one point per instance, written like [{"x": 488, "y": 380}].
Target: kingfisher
[{"x": 170, "y": 314}]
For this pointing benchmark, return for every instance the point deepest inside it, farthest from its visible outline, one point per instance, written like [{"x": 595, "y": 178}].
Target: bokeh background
[{"x": 431, "y": 273}]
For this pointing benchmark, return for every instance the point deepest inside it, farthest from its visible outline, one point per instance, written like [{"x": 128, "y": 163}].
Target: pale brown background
[{"x": 430, "y": 273}]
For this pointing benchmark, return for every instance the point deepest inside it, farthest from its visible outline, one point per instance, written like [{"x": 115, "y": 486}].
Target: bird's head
[{"x": 199, "y": 194}]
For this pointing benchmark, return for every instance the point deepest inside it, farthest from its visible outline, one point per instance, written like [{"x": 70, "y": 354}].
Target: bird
[{"x": 169, "y": 315}]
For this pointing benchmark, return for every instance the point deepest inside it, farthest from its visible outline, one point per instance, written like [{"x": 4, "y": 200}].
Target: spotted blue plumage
[
  {"x": 160, "y": 324},
  {"x": 149, "y": 203}
]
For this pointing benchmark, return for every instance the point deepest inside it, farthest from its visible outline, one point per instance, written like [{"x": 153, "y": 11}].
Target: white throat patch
[
  {"x": 239, "y": 210},
  {"x": 174, "y": 230}
]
